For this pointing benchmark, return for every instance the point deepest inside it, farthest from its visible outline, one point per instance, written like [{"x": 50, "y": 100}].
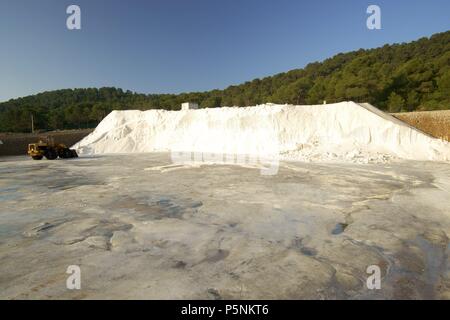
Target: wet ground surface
[{"x": 141, "y": 227}]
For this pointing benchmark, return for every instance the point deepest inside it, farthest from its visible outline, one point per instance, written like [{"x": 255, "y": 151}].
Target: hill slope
[{"x": 399, "y": 77}]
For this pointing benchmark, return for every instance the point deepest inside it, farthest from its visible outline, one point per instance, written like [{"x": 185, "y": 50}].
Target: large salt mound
[{"x": 343, "y": 131}]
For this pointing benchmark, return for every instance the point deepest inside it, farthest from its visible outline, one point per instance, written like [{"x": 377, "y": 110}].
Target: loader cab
[{"x": 37, "y": 150}]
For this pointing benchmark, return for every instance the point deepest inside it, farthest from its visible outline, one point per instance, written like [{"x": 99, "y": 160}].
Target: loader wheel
[
  {"x": 51, "y": 154},
  {"x": 37, "y": 157},
  {"x": 66, "y": 154}
]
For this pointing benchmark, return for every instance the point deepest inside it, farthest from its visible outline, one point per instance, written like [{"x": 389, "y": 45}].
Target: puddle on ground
[
  {"x": 21, "y": 169},
  {"x": 61, "y": 182},
  {"x": 7, "y": 194},
  {"x": 435, "y": 263},
  {"x": 339, "y": 228},
  {"x": 217, "y": 255},
  {"x": 146, "y": 209},
  {"x": 297, "y": 244}
]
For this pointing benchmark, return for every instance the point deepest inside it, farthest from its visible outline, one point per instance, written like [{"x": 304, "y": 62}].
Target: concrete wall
[{"x": 14, "y": 144}]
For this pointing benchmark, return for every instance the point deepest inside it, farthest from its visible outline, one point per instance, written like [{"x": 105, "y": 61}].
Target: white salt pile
[{"x": 344, "y": 131}]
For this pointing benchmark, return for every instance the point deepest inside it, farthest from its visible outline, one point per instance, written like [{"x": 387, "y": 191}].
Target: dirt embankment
[
  {"x": 17, "y": 143},
  {"x": 435, "y": 123}
]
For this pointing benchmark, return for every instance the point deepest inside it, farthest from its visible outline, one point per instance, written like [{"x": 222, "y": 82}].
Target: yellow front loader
[{"x": 50, "y": 150}]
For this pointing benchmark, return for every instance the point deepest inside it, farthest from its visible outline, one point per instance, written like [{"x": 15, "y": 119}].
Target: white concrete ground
[{"x": 141, "y": 227}]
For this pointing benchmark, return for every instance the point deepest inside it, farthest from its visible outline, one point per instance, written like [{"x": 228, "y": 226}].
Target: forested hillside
[{"x": 400, "y": 77}]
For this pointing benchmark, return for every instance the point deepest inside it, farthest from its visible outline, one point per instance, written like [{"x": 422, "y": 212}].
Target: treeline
[{"x": 400, "y": 77}]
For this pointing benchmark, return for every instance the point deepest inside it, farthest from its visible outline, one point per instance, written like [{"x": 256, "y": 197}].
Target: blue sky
[{"x": 171, "y": 46}]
